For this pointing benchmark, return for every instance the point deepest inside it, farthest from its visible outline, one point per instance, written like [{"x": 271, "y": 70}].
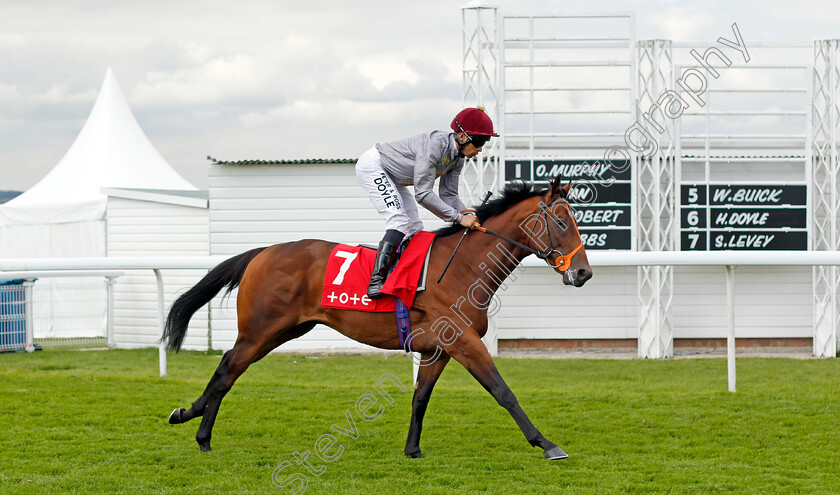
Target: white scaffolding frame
[
  {"x": 655, "y": 66},
  {"x": 656, "y": 193},
  {"x": 537, "y": 44},
  {"x": 824, "y": 131},
  {"x": 480, "y": 73}
]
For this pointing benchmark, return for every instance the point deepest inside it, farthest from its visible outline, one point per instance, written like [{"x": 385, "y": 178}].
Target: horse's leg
[
  {"x": 426, "y": 379},
  {"x": 233, "y": 364},
  {"x": 197, "y": 408},
  {"x": 471, "y": 352}
]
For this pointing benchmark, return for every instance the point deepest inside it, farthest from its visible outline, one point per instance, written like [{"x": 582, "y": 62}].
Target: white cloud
[
  {"x": 7, "y": 91},
  {"x": 682, "y": 23},
  {"x": 818, "y": 11},
  {"x": 383, "y": 71},
  {"x": 212, "y": 82}
]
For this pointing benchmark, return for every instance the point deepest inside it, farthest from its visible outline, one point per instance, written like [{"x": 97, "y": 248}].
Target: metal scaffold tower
[
  {"x": 565, "y": 89},
  {"x": 480, "y": 70},
  {"x": 656, "y": 196},
  {"x": 823, "y": 147}
]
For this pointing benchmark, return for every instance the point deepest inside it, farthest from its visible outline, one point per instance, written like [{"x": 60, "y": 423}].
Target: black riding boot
[{"x": 384, "y": 257}]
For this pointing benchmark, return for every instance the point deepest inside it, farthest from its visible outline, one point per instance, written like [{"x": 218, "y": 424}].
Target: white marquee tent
[
  {"x": 66, "y": 215},
  {"x": 63, "y": 215}
]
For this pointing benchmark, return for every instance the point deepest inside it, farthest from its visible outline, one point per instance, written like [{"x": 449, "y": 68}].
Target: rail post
[
  {"x": 109, "y": 283},
  {"x": 730, "y": 314},
  {"x": 29, "y": 320},
  {"x": 161, "y": 321}
]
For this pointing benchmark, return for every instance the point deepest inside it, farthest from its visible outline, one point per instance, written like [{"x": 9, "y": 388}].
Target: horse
[{"x": 279, "y": 300}]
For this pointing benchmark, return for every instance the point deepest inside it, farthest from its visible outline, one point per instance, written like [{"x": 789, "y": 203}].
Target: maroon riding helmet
[{"x": 475, "y": 124}]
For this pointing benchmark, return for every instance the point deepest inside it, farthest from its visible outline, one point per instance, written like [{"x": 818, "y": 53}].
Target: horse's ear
[
  {"x": 566, "y": 189},
  {"x": 556, "y": 186}
]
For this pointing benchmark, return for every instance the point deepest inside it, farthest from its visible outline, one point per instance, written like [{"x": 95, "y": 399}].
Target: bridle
[{"x": 562, "y": 261}]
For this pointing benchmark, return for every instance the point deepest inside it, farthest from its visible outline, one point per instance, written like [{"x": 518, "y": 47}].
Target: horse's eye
[{"x": 560, "y": 223}]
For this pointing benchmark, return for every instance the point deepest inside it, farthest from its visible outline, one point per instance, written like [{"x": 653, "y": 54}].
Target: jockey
[{"x": 386, "y": 170}]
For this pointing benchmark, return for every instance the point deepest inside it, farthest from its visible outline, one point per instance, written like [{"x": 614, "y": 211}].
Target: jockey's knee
[
  {"x": 414, "y": 228},
  {"x": 401, "y": 225}
]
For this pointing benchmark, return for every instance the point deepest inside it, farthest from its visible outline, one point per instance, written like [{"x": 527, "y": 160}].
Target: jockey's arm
[
  {"x": 424, "y": 182},
  {"x": 448, "y": 189},
  {"x": 448, "y": 192}
]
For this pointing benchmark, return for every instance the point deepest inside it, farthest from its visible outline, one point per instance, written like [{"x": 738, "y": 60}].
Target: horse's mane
[{"x": 514, "y": 193}]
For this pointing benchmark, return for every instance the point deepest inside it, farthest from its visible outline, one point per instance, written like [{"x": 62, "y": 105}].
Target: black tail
[{"x": 227, "y": 273}]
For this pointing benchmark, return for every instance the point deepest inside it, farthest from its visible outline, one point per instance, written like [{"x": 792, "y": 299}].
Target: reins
[
  {"x": 538, "y": 254},
  {"x": 466, "y": 231},
  {"x": 562, "y": 260}
]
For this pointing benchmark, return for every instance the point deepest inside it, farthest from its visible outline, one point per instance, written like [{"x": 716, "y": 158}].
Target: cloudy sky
[{"x": 281, "y": 79}]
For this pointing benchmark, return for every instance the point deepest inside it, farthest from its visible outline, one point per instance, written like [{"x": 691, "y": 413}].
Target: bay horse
[{"x": 279, "y": 300}]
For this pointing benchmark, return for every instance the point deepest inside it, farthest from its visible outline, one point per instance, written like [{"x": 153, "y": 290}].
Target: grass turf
[{"x": 88, "y": 422}]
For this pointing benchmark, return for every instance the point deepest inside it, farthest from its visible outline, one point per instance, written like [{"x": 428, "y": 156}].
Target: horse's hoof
[
  {"x": 415, "y": 455},
  {"x": 176, "y": 416},
  {"x": 555, "y": 453},
  {"x": 205, "y": 447}
]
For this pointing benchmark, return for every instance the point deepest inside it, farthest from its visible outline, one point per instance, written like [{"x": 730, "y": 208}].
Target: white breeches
[{"x": 394, "y": 202}]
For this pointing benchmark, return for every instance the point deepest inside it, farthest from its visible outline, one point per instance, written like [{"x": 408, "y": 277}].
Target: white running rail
[{"x": 726, "y": 259}]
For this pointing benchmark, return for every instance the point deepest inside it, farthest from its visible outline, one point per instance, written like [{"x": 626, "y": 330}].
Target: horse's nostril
[{"x": 583, "y": 274}]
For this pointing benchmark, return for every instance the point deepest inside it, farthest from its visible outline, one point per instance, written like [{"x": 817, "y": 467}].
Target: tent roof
[{"x": 110, "y": 151}]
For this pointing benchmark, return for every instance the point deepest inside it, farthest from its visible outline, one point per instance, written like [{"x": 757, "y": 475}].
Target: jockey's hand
[{"x": 469, "y": 221}]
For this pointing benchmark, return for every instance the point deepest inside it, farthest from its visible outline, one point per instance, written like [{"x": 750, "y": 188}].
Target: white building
[
  {"x": 155, "y": 222},
  {"x": 256, "y": 204}
]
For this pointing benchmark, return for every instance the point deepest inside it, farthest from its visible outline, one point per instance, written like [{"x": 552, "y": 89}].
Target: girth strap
[
  {"x": 403, "y": 313},
  {"x": 403, "y": 322}
]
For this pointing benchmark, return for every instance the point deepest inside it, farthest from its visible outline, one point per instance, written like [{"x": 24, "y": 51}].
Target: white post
[
  {"x": 730, "y": 312},
  {"x": 490, "y": 338},
  {"x": 109, "y": 281},
  {"x": 29, "y": 320},
  {"x": 161, "y": 319},
  {"x": 415, "y": 359}
]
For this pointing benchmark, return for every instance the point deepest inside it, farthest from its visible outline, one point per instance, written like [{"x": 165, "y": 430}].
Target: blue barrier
[{"x": 12, "y": 315}]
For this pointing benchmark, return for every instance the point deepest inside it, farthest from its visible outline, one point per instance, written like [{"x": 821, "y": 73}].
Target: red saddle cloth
[{"x": 348, "y": 275}]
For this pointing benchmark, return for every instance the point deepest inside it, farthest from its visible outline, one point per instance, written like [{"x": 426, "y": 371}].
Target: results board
[
  {"x": 718, "y": 217},
  {"x": 600, "y": 196}
]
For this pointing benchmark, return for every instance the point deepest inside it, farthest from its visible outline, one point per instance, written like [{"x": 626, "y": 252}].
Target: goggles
[{"x": 479, "y": 141}]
